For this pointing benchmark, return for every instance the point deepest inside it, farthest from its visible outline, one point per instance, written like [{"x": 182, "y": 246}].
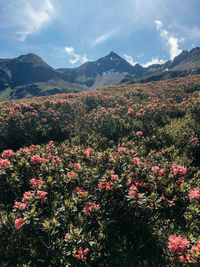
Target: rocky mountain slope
[{"x": 28, "y": 75}]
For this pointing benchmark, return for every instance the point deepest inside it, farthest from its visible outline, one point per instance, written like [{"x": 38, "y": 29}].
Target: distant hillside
[{"x": 29, "y": 76}]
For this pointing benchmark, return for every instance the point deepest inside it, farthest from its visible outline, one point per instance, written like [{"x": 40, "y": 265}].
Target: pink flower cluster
[
  {"x": 105, "y": 185},
  {"x": 139, "y": 133},
  {"x": 80, "y": 191},
  {"x": 81, "y": 254},
  {"x": 156, "y": 170},
  {"x": 70, "y": 174},
  {"x": 90, "y": 207},
  {"x": 136, "y": 161},
  {"x": 37, "y": 159},
  {"x": 35, "y": 183},
  {"x": 194, "y": 194},
  {"x": 87, "y": 152},
  {"x": 19, "y": 223},
  {"x": 7, "y": 154},
  {"x": 177, "y": 244},
  {"x": 77, "y": 166},
  {"x": 133, "y": 191},
  {"x": 178, "y": 169},
  {"x": 4, "y": 163},
  {"x": 42, "y": 195},
  {"x": 121, "y": 149}
]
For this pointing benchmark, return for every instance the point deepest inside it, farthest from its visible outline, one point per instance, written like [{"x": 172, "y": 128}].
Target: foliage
[{"x": 118, "y": 186}]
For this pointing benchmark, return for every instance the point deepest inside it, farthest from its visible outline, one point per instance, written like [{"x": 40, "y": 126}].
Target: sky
[{"x": 67, "y": 33}]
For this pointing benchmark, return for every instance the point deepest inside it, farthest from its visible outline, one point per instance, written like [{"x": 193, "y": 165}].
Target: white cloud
[
  {"x": 153, "y": 61},
  {"x": 129, "y": 59},
  {"x": 77, "y": 58},
  {"x": 171, "y": 42},
  {"x": 158, "y": 24},
  {"x": 69, "y": 50},
  {"x": 104, "y": 37},
  {"x": 27, "y": 17}
]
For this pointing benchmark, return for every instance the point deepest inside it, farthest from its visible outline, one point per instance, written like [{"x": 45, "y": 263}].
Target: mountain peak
[{"x": 113, "y": 54}]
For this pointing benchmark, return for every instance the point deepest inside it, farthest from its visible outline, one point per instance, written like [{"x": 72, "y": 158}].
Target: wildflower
[
  {"x": 26, "y": 196},
  {"x": 121, "y": 149},
  {"x": 192, "y": 139},
  {"x": 77, "y": 166},
  {"x": 4, "y": 163},
  {"x": 70, "y": 174},
  {"x": 178, "y": 169},
  {"x": 197, "y": 248},
  {"x": 132, "y": 191},
  {"x": 177, "y": 244},
  {"x": 66, "y": 236},
  {"x": 136, "y": 161},
  {"x": 90, "y": 207},
  {"x": 114, "y": 177},
  {"x": 194, "y": 194},
  {"x": 81, "y": 254},
  {"x": 130, "y": 111},
  {"x": 37, "y": 159},
  {"x": 19, "y": 223},
  {"x": 105, "y": 185},
  {"x": 20, "y": 205},
  {"x": 80, "y": 191},
  {"x": 35, "y": 183},
  {"x": 7, "y": 154},
  {"x": 139, "y": 133},
  {"x": 170, "y": 202},
  {"x": 42, "y": 195},
  {"x": 87, "y": 152}
]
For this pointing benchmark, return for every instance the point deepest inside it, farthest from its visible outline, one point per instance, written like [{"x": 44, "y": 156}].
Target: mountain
[{"x": 28, "y": 75}]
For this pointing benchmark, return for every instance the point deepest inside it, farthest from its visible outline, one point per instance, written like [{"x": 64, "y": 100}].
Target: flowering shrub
[{"x": 125, "y": 179}]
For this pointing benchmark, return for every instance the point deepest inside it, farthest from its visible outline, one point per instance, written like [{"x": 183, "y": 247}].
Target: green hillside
[{"x": 108, "y": 177}]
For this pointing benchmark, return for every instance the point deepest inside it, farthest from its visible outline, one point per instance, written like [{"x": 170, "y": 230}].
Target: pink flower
[
  {"x": 139, "y": 133},
  {"x": 156, "y": 170},
  {"x": 194, "y": 194},
  {"x": 66, "y": 236},
  {"x": 35, "y": 183},
  {"x": 129, "y": 111},
  {"x": 177, "y": 244},
  {"x": 80, "y": 191},
  {"x": 19, "y": 223},
  {"x": 90, "y": 207},
  {"x": 4, "y": 163},
  {"x": 37, "y": 159},
  {"x": 70, "y": 174},
  {"x": 24, "y": 150},
  {"x": 57, "y": 160},
  {"x": 132, "y": 191},
  {"x": 121, "y": 149},
  {"x": 20, "y": 205},
  {"x": 170, "y": 202},
  {"x": 136, "y": 161},
  {"x": 42, "y": 195},
  {"x": 114, "y": 177},
  {"x": 87, "y": 152},
  {"x": 26, "y": 196},
  {"x": 81, "y": 254},
  {"x": 197, "y": 248},
  {"x": 192, "y": 139},
  {"x": 105, "y": 185},
  {"x": 7, "y": 154},
  {"x": 178, "y": 169},
  {"x": 77, "y": 166}
]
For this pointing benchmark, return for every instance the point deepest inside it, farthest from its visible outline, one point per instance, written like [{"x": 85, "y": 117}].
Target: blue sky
[{"x": 66, "y": 33}]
